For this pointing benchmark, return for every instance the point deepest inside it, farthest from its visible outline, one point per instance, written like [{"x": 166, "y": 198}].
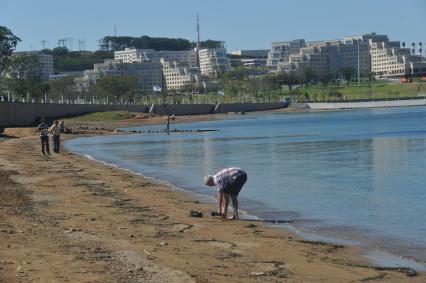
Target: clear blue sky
[{"x": 242, "y": 24}]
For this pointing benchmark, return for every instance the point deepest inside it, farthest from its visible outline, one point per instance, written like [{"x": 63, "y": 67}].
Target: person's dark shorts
[{"x": 236, "y": 185}]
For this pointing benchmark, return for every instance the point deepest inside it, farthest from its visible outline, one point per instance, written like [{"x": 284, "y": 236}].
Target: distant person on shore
[
  {"x": 168, "y": 122},
  {"x": 56, "y": 134},
  {"x": 229, "y": 183},
  {"x": 44, "y": 137}
]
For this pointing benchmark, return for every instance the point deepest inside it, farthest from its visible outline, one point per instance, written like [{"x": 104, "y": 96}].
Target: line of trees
[
  {"x": 69, "y": 61},
  {"x": 156, "y": 43},
  {"x": 242, "y": 83}
]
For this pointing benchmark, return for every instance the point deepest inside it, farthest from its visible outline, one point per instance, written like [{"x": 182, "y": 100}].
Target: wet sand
[{"x": 64, "y": 218}]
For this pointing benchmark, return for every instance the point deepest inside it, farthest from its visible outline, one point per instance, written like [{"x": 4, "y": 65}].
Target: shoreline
[
  {"x": 376, "y": 256},
  {"x": 145, "y": 234}
]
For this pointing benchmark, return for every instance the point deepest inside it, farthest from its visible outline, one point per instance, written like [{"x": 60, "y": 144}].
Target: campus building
[
  {"x": 177, "y": 77},
  {"x": 45, "y": 63},
  {"x": 261, "y": 53},
  {"x": 388, "y": 59},
  {"x": 280, "y": 51},
  {"x": 367, "y": 53},
  {"x": 330, "y": 56},
  {"x": 213, "y": 61},
  {"x": 185, "y": 78},
  {"x": 186, "y": 58},
  {"x": 248, "y": 58},
  {"x": 148, "y": 74}
]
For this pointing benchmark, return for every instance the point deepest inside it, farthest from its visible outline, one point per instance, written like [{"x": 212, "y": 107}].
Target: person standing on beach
[
  {"x": 229, "y": 183},
  {"x": 44, "y": 130},
  {"x": 56, "y": 134}
]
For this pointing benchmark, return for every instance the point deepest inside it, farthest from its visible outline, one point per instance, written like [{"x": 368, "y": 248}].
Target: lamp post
[{"x": 358, "y": 64}]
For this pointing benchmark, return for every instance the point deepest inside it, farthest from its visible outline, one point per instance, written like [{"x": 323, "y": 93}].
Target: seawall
[
  {"x": 15, "y": 114},
  {"x": 365, "y": 104}
]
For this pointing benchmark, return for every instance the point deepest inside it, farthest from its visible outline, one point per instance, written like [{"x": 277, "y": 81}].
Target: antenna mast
[{"x": 198, "y": 33}]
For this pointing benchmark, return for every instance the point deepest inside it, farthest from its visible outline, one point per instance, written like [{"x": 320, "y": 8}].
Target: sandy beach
[{"x": 65, "y": 218}]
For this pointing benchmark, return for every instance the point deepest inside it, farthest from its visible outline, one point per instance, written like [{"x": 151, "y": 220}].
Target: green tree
[
  {"x": 210, "y": 43},
  {"x": 24, "y": 73},
  {"x": 308, "y": 75},
  {"x": 347, "y": 73},
  {"x": 290, "y": 79},
  {"x": 325, "y": 78},
  {"x": 59, "y": 51},
  {"x": 8, "y": 42},
  {"x": 117, "y": 86},
  {"x": 236, "y": 73},
  {"x": 63, "y": 88}
]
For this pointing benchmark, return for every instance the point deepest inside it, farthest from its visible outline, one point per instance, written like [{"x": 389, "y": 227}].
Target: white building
[
  {"x": 329, "y": 56},
  {"x": 46, "y": 63},
  {"x": 280, "y": 51},
  {"x": 186, "y": 58},
  {"x": 213, "y": 61},
  {"x": 177, "y": 77},
  {"x": 251, "y": 53},
  {"x": 148, "y": 74},
  {"x": 388, "y": 59}
]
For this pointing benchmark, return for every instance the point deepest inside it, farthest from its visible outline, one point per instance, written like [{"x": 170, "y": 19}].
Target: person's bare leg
[
  {"x": 220, "y": 205},
  {"x": 226, "y": 197},
  {"x": 235, "y": 205}
]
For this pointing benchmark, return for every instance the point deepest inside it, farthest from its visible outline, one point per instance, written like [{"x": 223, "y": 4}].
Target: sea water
[{"x": 354, "y": 176}]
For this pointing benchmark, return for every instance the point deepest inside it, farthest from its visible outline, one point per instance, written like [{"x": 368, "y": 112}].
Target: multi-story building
[
  {"x": 213, "y": 61},
  {"x": 248, "y": 58},
  {"x": 367, "y": 53},
  {"x": 148, "y": 74},
  {"x": 280, "y": 51},
  {"x": 177, "y": 77},
  {"x": 45, "y": 63},
  {"x": 186, "y": 58},
  {"x": 251, "y": 53},
  {"x": 388, "y": 59},
  {"x": 323, "y": 56}
]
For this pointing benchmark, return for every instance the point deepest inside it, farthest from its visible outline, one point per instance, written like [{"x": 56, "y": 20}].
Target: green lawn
[
  {"x": 374, "y": 90},
  {"x": 104, "y": 116}
]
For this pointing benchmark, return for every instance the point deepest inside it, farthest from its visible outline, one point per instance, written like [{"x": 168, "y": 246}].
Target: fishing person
[{"x": 229, "y": 182}]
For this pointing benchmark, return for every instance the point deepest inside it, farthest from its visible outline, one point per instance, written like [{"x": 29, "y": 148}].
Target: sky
[{"x": 242, "y": 24}]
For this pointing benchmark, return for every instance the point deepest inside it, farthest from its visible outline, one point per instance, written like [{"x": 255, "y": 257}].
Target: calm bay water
[{"x": 351, "y": 175}]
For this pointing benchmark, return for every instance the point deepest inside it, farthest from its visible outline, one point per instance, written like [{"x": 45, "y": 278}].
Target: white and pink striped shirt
[{"x": 223, "y": 177}]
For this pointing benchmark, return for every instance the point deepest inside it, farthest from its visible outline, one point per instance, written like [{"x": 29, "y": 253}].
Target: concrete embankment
[
  {"x": 365, "y": 104},
  {"x": 24, "y": 114}
]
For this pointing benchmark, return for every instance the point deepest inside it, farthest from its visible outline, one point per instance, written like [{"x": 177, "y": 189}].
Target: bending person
[{"x": 229, "y": 183}]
